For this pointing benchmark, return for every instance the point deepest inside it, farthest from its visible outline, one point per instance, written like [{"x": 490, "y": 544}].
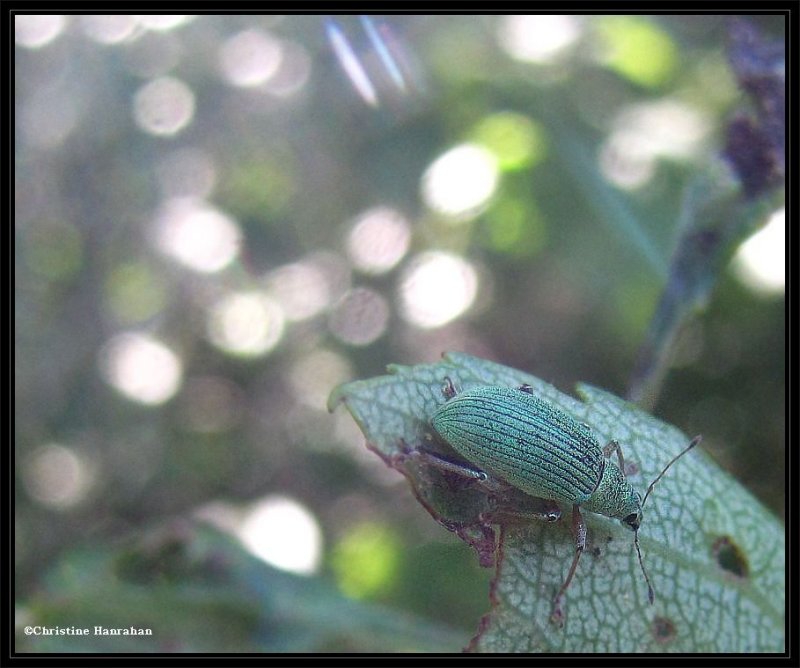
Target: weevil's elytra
[
  {"x": 539, "y": 449},
  {"x": 526, "y": 441}
]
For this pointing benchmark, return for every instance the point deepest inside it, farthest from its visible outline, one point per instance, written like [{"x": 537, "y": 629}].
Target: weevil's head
[{"x": 633, "y": 519}]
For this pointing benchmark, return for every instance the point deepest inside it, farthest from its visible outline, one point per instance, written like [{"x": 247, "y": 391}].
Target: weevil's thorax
[{"x": 615, "y": 497}]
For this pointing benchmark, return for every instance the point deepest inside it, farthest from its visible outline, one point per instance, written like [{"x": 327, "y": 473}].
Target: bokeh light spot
[
  {"x": 141, "y": 368},
  {"x": 360, "y": 317},
  {"x": 293, "y": 72},
  {"x": 365, "y": 562},
  {"x": 197, "y": 235},
  {"x": 246, "y": 323},
  {"x": 460, "y": 182},
  {"x": 109, "y": 28},
  {"x": 515, "y": 140},
  {"x": 637, "y": 49},
  {"x": 378, "y": 240},
  {"x": 57, "y": 477},
  {"x": 164, "y": 106},
  {"x": 538, "y": 38},
  {"x": 37, "y": 30},
  {"x": 250, "y": 58},
  {"x": 301, "y": 288},
  {"x": 436, "y": 288},
  {"x": 283, "y": 533},
  {"x": 625, "y": 161},
  {"x": 666, "y": 127},
  {"x": 760, "y": 262},
  {"x": 163, "y": 22},
  {"x": 643, "y": 133}
]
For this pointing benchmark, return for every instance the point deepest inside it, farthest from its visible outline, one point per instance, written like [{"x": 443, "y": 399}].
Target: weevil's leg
[
  {"x": 549, "y": 512},
  {"x": 446, "y": 465},
  {"x": 579, "y": 533},
  {"x": 449, "y": 388},
  {"x": 469, "y": 472},
  {"x": 610, "y": 447}
]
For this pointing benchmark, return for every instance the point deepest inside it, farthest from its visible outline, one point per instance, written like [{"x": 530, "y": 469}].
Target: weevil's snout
[
  {"x": 632, "y": 521},
  {"x": 634, "y": 518}
]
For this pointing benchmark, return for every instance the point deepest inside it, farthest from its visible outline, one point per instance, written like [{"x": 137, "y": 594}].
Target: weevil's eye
[{"x": 632, "y": 521}]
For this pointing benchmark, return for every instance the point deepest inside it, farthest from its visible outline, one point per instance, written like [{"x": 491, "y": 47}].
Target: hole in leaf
[
  {"x": 730, "y": 557},
  {"x": 663, "y": 630}
]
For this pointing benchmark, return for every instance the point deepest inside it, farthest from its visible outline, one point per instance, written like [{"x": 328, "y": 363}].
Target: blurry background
[{"x": 220, "y": 218}]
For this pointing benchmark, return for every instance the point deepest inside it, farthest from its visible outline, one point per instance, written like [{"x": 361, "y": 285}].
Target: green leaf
[{"x": 715, "y": 555}]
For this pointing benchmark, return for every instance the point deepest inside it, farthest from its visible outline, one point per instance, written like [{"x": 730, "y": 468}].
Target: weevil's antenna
[
  {"x": 651, "y": 596},
  {"x": 692, "y": 443}
]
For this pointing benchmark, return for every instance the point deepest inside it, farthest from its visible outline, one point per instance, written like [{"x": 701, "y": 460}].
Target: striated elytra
[
  {"x": 526, "y": 441},
  {"x": 518, "y": 439},
  {"x": 537, "y": 448}
]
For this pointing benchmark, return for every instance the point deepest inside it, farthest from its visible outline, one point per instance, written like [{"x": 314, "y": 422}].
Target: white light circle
[
  {"x": 301, "y": 288},
  {"x": 246, "y": 323},
  {"x": 109, "y": 28},
  {"x": 538, "y": 38},
  {"x": 163, "y": 22},
  {"x": 436, "y": 288},
  {"x": 37, "y": 30},
  {"x": 460, "y": 182},
  {"x": 164, "y": 106},
  {"x": 378, "y": 240},
  {"x": 141, "y": 368},
  {"x": 283, "y": 533},
  {"x": 250, "y": 58},
  {"x": 360, "y": 317},
  {"x": 56, "y": 476},
  {"x": 197, "y": 235},
  {"x": 760, "y": 262}
]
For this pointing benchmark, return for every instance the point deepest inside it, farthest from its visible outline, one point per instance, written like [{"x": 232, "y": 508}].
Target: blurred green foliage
[
  {"x": 568, "y": 264},
  {"x": 196, "y": 591}
]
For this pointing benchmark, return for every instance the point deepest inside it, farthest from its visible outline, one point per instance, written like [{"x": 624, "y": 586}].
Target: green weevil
[{"x": 517, "y": 439}]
